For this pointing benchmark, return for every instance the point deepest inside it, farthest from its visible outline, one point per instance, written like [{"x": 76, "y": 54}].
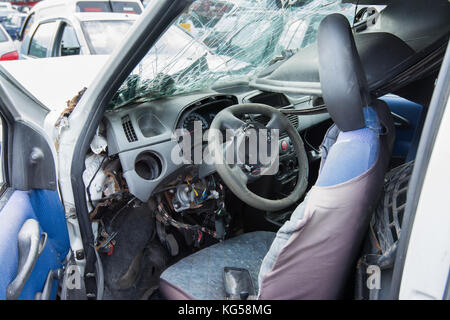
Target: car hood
[{"x": 54, "y": 81}]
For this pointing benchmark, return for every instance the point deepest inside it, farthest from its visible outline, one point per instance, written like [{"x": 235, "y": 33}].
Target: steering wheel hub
[{"x": 257, "y": 150}]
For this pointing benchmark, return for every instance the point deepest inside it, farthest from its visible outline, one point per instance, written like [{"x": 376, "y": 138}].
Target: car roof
[
  {"x": 5, "y": 12},
  {"x": 17, "y": 14},
  {"x": 6, "y": 5},
  {"x": 89, "y": 16},
  {"x": 67, "y": 8},
  {"x": 72, "y": 3},
  {"x": 21, "y": 14}
]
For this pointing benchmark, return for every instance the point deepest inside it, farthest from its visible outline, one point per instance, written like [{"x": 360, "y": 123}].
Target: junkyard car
[
  {"x": 13, "y": 24},
  {"x": 59, "y": 28},
  {"x": 8, "y": 49},
  {"x": 5, "y": 10},
  {"x": 173, "y": 169}
]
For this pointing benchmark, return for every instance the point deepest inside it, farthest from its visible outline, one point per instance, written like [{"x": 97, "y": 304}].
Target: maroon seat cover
[{"x": 316, "y": 261}]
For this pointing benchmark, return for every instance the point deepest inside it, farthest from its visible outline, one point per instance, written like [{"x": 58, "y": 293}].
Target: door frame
[
  {"x": 430, "y": 130},
  {"x": 28, "y": 163},
  {"x": 85, "y": 118}
]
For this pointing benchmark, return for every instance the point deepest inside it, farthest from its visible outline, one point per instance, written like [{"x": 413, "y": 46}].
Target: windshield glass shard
[{"x": 215, "y": 42}]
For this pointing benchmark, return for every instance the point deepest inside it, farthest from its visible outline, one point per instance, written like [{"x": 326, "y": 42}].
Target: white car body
[
  {"x": 427, "y": 263},
  {"x": 65, "y": 13},
  {"x": 50, "y": 8},
  {"x": 6, "y": 9},
  {"x": 8, "y": 45},
  {"x": 75, "y": 21},
  {"x": 6, "y": 6}
]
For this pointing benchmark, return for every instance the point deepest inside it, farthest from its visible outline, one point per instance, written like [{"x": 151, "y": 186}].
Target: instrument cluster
[{"x": 206, "y": 118}]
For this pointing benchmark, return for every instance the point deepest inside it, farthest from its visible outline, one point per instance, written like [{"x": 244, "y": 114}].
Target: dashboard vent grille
[
  {"x": 293, "y": 118},
  {"x": 128, "y": 129}
]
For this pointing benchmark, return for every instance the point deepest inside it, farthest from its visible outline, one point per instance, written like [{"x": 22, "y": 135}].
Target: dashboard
[
  {"x": 204, "y": 111},
  {"x": 142, "y": 135}
]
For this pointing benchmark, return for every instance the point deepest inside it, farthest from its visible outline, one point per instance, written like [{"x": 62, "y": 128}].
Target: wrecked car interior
[{"x": 347, "y": 83}]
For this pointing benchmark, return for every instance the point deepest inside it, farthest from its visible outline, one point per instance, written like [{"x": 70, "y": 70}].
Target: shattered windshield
[{"x": 216, "y": 41}]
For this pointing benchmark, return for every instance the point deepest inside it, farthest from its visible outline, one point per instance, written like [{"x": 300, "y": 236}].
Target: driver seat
[{"x": 313, "y": 254}]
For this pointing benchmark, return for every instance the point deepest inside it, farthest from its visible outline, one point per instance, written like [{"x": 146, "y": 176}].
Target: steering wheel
[{"x": 235, "y": 176}]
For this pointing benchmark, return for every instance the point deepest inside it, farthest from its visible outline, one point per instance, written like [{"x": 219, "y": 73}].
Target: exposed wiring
[
  {"x": 307, "y": 142},
  {"x": 92, "y": 179},
  {"x": 120, "y": 210},
  {"x": 180, "y": 225}
]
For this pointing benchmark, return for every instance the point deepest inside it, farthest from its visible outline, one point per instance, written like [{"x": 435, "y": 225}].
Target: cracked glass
[{"x": 214, "y": 42}]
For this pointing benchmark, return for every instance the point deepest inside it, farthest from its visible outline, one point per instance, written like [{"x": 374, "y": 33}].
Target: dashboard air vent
[
  {"x": 293, "y": 118},
  {"x": 128, "y": 129}
]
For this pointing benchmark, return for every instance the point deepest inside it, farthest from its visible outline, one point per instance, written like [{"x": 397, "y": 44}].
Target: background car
[
  {"x": 5, "y": 10},
  {"x": 57, "y": 28},
  {"x": 6, "y": 6},
  {"x": 23, "y": 8},
  {"x": 72, "y": 34},
  {"x": 209, "y": 12},
  {"x": 7, "y": 47},
  {"x": 13, "y": 24}
]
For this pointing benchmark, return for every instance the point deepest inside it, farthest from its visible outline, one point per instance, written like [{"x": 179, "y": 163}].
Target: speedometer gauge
[{"x": 189, "y": 121}]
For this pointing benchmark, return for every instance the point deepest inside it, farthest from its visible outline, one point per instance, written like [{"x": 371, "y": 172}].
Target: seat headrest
[{"x": 342, "y": 78}]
